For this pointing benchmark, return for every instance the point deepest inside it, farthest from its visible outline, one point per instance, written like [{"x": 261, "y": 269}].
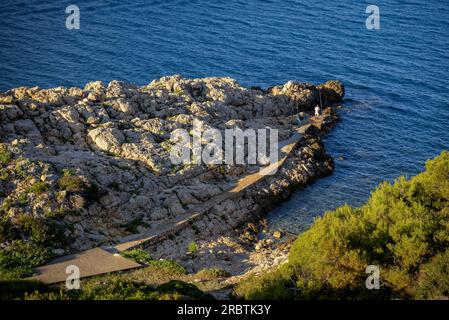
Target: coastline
[{"x": 58, "y": 128}]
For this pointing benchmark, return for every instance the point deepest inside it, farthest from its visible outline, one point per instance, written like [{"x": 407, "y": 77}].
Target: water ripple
[{"x": 397, "y": 108}]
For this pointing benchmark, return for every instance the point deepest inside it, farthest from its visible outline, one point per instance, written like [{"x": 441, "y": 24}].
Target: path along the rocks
[{"x": 102, "y": 260}]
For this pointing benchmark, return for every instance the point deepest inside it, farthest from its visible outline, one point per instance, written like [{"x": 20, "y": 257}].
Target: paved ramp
[{"x": 91, "y": 262}]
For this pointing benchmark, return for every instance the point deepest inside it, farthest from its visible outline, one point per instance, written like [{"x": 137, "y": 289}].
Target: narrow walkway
[
  {"x": 90, "y": 262},
  {"x": 106, "y": 259}
]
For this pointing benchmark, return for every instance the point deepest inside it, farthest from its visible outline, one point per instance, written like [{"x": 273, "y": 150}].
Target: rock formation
[{"x": 98, "y": 158}]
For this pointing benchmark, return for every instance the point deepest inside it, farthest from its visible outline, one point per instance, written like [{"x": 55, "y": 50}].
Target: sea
[{"x": 393, "y": 59}]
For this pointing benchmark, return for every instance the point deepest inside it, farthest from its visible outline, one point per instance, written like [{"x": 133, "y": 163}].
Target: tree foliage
[{"x": 403, "y": 229}]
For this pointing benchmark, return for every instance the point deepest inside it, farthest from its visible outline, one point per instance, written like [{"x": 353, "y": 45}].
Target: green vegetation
[
  {"x": 403, "y": 229},
  {"x": 7, "y": 204},
  {"x": 20, "y": 257},
  {"x": 20, "y": 170},
  {"x": 179, "y": 290},
  {"x": 111, "y": 289},
  {"x": 59, "y": 213},
  {"x": 70, "y": 182},
  {"x": 212, "y": 273},
  {"x": 38, "y": 187},
  {"x": 434, "y": 280},
  {"x": 168, "y": 266},
  {"x": 19, "y": 289},
  {"x": 4, "y": 175},
  {"x": 220, "y": 169},
  {"x": 192, "y": 247},
  {"x": 5, "y": 154},
  {"x": 22, "y": 200},
  {"x": 143, "y": 257},
  {"x": 133, "y": 224},
  {"x": 26, "y": 236},
  {"x": 138, "y": 255}
]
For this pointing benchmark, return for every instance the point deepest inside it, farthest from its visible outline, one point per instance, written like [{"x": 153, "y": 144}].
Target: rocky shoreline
[
  {"x": 234, "y": 236},
  {"x": 96, "y": 162}
]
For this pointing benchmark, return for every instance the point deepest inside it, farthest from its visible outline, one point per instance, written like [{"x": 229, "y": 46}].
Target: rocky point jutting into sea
[{"x": 96, "y": 162}]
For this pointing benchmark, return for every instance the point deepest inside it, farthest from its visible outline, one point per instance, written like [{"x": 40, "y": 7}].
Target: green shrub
[
  {"x": 168, "y": 266},
  {"x": 179, "y": 290},
  {"x": 22, "y": 200},
  {"x": 111, "y": 289},
  {"x": 4, "y": 175},
  {"x": 7, "y": 204},
  {"x": 192, "y": 247},
  {"x": 212, "y": 273},
  {"x": 21, "y": 289},
  {"x": 143, "y": 257},
  {"x": 138, "y": 255},
  {"x": 117, "y": 289},
  {"x": 59, "y": 213},
  {"x": 38, "y": 187},
  {"x": 403, "y": 228},
  {"x": 19, "y": 258},
  {"x": 5, "y": 228},
  {"x": 71, "y": 183},
  {"x": 268, "y": 286},
  {"x": 46, "y": 232},
  {"x": 30, "y": 239},
  {"x": 433, "y": 280},
  {"x": 5, "y": 154},
  {"x": 20, "y": 170}
]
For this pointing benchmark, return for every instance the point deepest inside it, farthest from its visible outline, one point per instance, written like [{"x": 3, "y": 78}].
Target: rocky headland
[{"x": 95, "y": 162}]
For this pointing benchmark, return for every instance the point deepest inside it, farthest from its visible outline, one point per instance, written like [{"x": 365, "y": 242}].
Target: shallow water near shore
[{"x": 396, "y": 113}]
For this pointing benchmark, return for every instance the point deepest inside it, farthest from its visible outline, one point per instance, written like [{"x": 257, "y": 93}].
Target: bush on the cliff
[
  {"x": 403, "y": 229},
  {"x": 70, "y": 182},
  {"x": 434, "y": 280},
  {"x": 38, "y": 187},
  {"x": 212, "y": 273},
  {"x": 30, "y": 240},
  {"x": 179, "y": 290},
  {"x": 19, "y": 258},
  {"x": 111, "y": 289},
  {"x": 138, "y": 255},
  {"x": 143, "y": 257},
  {"x": 21, "y": 289},
  {"x": 5, "y": 154},
  {"x": 168, "y": 266}
]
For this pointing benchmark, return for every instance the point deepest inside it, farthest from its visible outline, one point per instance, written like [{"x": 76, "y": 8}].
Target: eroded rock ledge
[{"x": 96, "y": 160}]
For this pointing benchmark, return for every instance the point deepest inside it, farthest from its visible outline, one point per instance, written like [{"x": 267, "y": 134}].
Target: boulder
[
  {"x": 332, "y": 91},
  {"x": 107, "y": 139},
  {"x": 303, "y": 96}
]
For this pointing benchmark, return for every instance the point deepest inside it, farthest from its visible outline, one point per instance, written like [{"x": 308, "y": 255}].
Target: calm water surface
[{"x": 397, "y": 106}]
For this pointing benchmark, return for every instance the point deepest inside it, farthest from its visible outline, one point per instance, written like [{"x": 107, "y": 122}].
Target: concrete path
[
  {"x": 104, "y": 260},
  {"x": 91, "y": 262}
]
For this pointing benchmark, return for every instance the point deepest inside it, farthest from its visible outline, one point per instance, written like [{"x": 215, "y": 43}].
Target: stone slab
[{"x": 91, "y": 262}]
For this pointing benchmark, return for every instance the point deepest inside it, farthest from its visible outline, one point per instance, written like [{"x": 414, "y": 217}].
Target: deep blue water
[{"x": 397, "y": 109}]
